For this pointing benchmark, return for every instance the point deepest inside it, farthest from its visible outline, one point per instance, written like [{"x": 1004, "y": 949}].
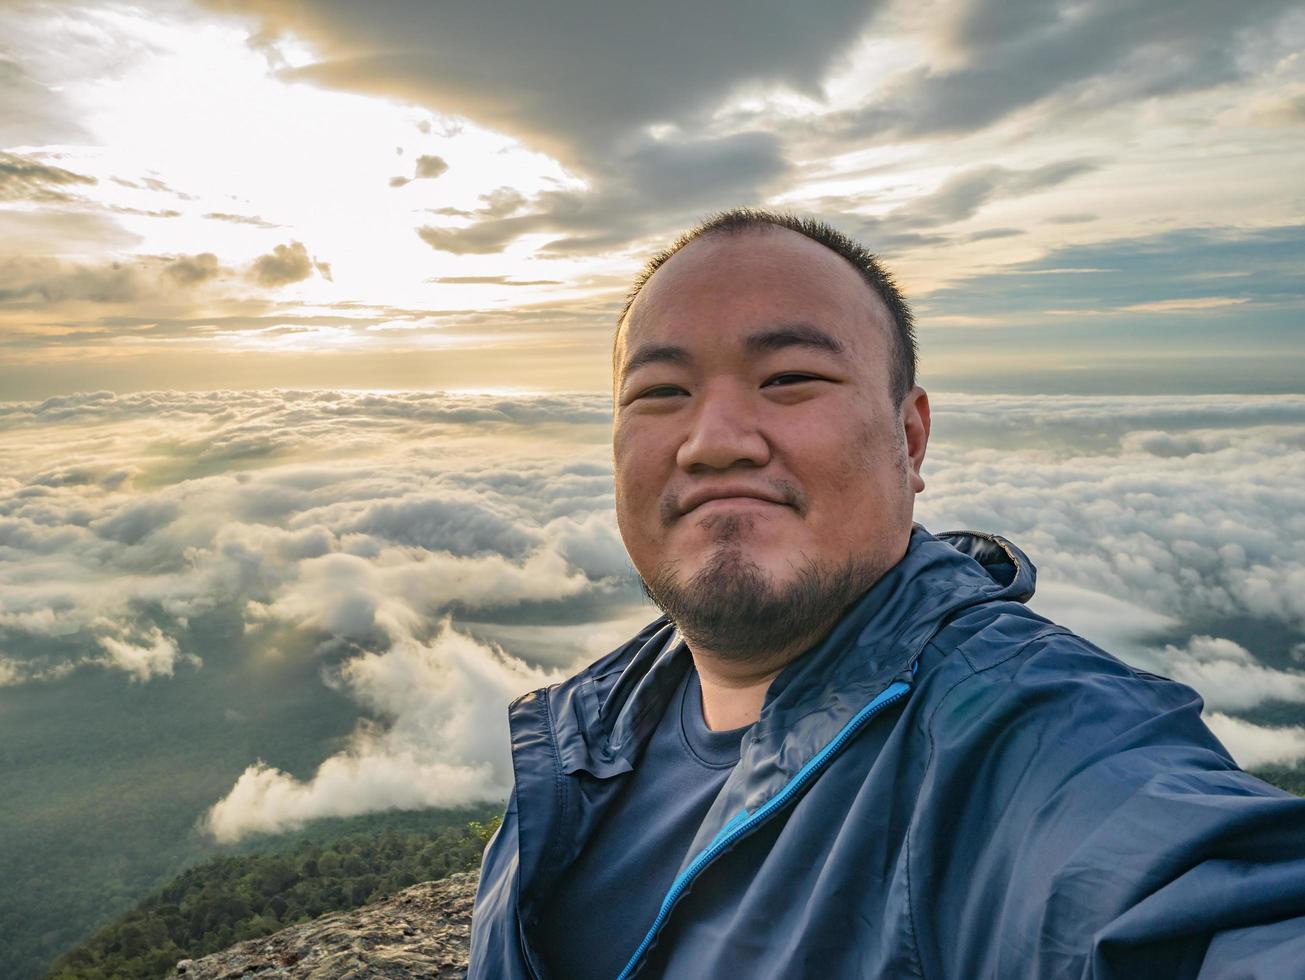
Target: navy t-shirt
[{"x": 605, "y": 902}]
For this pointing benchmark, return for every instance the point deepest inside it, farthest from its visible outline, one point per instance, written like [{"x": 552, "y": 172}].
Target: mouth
[
  {"x": 707, "y": 499},
  {"x": 732, "y": 503}
]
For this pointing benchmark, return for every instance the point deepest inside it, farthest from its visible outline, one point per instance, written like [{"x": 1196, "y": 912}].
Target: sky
[
  {"x": 1098, "y": 197},
  {"x": 305, "y": 325}
]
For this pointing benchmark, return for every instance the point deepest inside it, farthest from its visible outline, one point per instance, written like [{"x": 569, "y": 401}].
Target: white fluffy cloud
[
  {"x": 156, "y": 655},
  {"x": 1228, "y": 675},
  {"x": 362, "y": 518},
  {"x": 1256, "y": 745},
  {"x": 443, "y": 741},
  {"x": 1195, "y": 522}
]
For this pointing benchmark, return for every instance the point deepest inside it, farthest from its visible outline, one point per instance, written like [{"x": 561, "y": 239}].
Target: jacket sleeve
[
  {"x": 1098, "y": 830},
  {"x": 1203, "y": 875}
]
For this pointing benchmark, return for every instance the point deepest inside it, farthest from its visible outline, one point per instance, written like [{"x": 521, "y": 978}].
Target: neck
[{"x": 733, "y": 692}]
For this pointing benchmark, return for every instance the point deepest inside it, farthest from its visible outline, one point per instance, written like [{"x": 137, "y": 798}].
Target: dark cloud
[
  {"x": 963, "y": 194},
  {"x": 655, "y": 182},
  {"x": 1190, "y": 270},
  {"x": 988, "y": 234},
  {"x": 1010, "y": 56},
  {"x": 531, "y": 71},
  {"x": 25, "y": 178},
  {"x": 920, "y": 222},
  {"x": 283, "y": 265},
  {"x": 585, "y": 86}
]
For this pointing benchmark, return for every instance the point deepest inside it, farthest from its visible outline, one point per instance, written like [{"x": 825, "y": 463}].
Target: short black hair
[{"x": 905, "y": 362}]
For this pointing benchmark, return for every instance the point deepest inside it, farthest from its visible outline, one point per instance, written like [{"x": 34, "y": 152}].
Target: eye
[
  {"x": 661, "y": 391},
  {"x": 790, "y": 378}
]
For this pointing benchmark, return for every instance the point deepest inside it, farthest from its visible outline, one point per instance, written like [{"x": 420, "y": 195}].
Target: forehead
[{"x": 721, "y": 286}]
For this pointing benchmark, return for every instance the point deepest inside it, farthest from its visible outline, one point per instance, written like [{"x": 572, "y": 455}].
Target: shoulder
[{"x": 1021, "y": 685}]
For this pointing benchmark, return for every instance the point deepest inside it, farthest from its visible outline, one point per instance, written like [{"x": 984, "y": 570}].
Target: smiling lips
[{"x": 697, "y": 498}]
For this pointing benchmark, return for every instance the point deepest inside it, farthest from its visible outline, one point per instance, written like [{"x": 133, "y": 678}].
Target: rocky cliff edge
[{"x": 423, "y": 931}]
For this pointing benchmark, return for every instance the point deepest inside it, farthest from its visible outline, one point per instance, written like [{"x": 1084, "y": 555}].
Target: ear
[{"x": 915, "y": 422}]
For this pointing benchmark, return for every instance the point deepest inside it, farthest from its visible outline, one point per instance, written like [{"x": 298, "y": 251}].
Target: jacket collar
[{"x": 603, "y": 716}]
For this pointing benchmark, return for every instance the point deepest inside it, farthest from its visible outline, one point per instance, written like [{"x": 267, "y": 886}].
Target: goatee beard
[{"x": 733, "y": 608}]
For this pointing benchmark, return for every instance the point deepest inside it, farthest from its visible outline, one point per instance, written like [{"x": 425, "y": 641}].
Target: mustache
[{"x": 787, "y": 492}]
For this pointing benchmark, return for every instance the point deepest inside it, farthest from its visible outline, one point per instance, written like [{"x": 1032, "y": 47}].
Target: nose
[{"x": 725, "y": 432}]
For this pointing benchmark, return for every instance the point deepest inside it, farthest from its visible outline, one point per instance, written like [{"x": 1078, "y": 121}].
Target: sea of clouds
[{"x": 438, "y": 554}]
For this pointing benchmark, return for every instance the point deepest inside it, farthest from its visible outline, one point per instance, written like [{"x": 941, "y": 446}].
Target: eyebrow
[
  {"x": 794, "y": 335},
  {"x": 763, "y": 342},
  {"x": 656, "y": 354}
]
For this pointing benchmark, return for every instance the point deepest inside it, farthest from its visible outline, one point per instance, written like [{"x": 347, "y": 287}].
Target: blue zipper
[{"x": 743, "y": 823}]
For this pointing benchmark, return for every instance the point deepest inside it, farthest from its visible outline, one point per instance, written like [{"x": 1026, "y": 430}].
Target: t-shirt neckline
[{"x": 715, "y": 750}]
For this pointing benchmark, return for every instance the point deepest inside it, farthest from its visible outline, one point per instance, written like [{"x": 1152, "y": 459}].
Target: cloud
[
  {"x": 997, "y": 58},
  {"x": 44, "y": 281},
  {"x": 24, "y": 178},
  {"x": 434, "y": 554},
  {"x": 144, "y": 213},
  {"x": 283, "y": 265},
  {"x": 33, "y": 113},
  {"x": 430, "y": 166},
  {"x": 1113, "y": 621},
  {"x": 1175, "y": 273},
  {"x": 52, "y": 281},
  {"x": 145, "y": 533},
  {"x": 962, "y": 194},
  {"x": 24, "y": 234},
  {"x": 1228, "y": 674},
  {"x": 156, "y": 656},
  {"x": 427, "y": 166},
  {"x": 494, "y": 281},
  {"x": 1253, "y": 745},
  {"x": 685, "y": 177},
  {"x": 499, "y": 65},
  {"x": 240, "y": 219},
  {"x": 1151, "y": 508},
  {"x": 444, "y": 741},
  {"x": 191, "y": 270}
]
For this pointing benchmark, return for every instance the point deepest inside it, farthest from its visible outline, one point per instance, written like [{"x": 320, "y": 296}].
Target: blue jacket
[{"x": 948, "y": 785}]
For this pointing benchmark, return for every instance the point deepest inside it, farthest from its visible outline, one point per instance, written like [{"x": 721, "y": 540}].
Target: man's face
[{"x": 755, "y": 435}]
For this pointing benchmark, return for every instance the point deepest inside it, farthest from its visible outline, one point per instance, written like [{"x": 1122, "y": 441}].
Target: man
[{"x": 848, "y": 749}]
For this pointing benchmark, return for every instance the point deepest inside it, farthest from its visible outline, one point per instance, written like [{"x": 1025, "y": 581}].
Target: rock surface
[{"x": 423, "y": 931}]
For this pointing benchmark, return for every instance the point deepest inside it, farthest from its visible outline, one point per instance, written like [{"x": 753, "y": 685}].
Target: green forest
[{"x": 333, "y": 865}]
